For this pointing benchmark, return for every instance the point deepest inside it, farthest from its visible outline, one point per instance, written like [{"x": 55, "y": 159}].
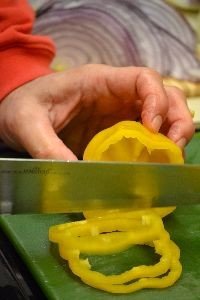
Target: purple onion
[{"x": 121, "y": 33}]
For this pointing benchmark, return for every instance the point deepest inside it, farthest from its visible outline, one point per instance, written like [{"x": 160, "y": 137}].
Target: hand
[{"x": 55, "y": 116}]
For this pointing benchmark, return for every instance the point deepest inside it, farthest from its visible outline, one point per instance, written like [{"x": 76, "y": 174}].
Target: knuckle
[
  {"x": 187, "y": 128},
  {"x": 176, "y": 94},
  {"x": 149, "y": 73},
  {"x": 149, "y": 83}
]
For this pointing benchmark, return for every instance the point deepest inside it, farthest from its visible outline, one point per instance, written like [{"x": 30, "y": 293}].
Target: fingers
[
  {"x": 45, "y": 144},
  {"x": 39, "y": 138},
  {"x": 150, "y": 89},
  {"x": 143, "y": 86},
  {"x": 180, "y": 123},
  {"x": 160, "y": 106},
  {"x": 165, "y": 105}
]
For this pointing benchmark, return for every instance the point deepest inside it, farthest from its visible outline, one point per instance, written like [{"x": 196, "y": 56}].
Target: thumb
[{"x": 41, "y": 141}]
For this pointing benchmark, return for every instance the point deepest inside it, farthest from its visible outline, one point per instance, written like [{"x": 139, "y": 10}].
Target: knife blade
[{"x": 51, "y": 186}]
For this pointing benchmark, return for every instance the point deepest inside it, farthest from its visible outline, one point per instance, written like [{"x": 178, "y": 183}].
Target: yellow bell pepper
[
  {"x": 131, "y": 141},
  {"x": 107, "y": 232},
  {"x": 148, "y": 229},
  {"x": 116, "y": 213}
]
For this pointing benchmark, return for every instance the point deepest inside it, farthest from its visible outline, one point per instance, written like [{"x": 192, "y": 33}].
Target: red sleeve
[{"x": 23, "y": 56}]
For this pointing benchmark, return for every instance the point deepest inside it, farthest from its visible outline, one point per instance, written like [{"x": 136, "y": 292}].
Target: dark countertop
[{"x": 16, "y": 282}]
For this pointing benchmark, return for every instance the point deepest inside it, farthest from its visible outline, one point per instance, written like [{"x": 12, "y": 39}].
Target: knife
[{"x": 51, "y": 186}]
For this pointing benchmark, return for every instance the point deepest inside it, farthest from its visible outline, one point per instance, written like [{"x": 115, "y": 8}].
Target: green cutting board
[{"x": 29, "y": 235}]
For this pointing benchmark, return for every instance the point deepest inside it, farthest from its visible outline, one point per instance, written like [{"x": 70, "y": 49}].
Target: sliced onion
[
  {"x": 92, "y": 31},
  {"x": 167, "y": 19},
  {"x": 121, "y": 33}
]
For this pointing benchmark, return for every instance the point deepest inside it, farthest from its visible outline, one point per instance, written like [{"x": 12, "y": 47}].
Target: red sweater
[{"x": 23, "y": 56}]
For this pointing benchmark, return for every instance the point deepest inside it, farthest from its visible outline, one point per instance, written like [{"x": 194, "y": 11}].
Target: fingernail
[
  {"x": 156, "y": 123},
  {"x": 181, "y": 143}
]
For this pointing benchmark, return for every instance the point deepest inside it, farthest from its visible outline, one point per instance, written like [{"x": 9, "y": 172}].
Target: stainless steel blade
[{"x": 38, "y": 186}]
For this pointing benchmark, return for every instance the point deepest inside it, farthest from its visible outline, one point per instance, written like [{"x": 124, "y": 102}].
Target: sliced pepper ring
[
  {"x": 145, "y": 274},
  {"x": 126, "y": 213},
  {"x": 137, "y": 228},
  {"x": 74, "y": 243}
]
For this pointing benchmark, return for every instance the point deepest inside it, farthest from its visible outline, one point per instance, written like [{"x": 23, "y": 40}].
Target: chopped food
[
  {"x": 108, "y": 235},
  {"x": 107, "y": 232}
]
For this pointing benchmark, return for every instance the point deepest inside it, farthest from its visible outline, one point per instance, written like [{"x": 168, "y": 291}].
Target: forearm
[{"x": 23, "y": 56}]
